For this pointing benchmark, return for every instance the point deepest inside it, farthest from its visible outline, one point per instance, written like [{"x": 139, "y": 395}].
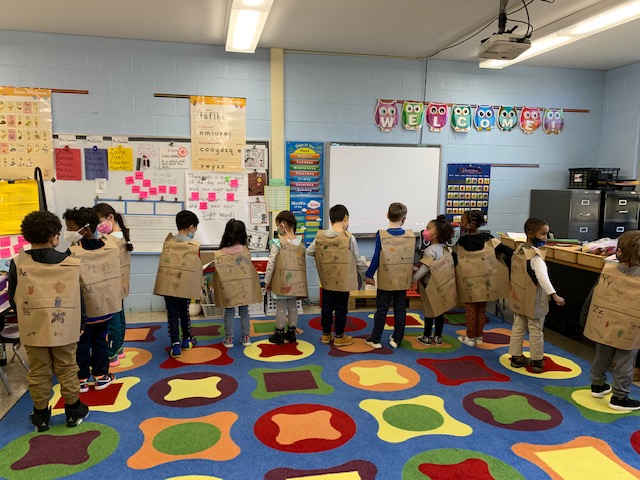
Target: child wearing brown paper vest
[
  {"x": 338, "y": 262},
  {"x": 613, "y": 322},
  {"x": 101, "y": 290},
  {"x": 50, "y": 335},
  {"x": 235, "y": 281},
  {"x": 480, "y": 275},
  {"x": 393, "y": 255},
  {"x": 179, "y": 279},
  {"x": 286, "y": 276},
  {"x": 436, "y": 273},
  {"x": 530, "y": 292}
]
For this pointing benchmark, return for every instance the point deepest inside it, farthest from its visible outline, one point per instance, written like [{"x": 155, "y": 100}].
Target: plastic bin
[
  {"x": 592, "y": 178},
  {"x": 212, "y": 311}
]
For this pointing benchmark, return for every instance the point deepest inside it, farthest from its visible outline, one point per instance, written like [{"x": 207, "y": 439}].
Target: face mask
[
  {"x": 118, "y": 234},
  {"x": 191, "y": 234},
  {"x": 105, "y": 227},
  {"x": 281, "y": 231},
  {"x": 72, "y": 237},
  {"x": 537, "y": 242},
  {"x": 426, "y": 236}
]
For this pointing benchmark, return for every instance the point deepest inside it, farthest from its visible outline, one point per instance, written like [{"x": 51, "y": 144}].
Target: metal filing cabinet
[
  {"x": 618, "y": 213},
  {"x": 569, "y": 213}
]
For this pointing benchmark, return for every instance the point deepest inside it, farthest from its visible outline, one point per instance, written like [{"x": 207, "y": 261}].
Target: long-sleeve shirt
[
  {"x": 375, "y": 261},
  {"x": 435, "y": 251},
  {"x": 361, "y": 265},
  {"x": 539, "y": 268}
]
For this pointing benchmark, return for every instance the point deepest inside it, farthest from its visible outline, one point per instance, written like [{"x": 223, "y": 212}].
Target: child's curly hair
[{"x": 629, "y": 248}]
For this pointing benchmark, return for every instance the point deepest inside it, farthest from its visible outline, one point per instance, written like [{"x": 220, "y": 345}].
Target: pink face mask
[
  {"x": 105, "y": 228},
  {"x": 426, "y": 235}
]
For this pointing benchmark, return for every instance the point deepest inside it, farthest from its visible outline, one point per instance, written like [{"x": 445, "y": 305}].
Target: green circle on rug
[
  {"x": 186, "y": 438},
  {"x": 413, "y": 418}
]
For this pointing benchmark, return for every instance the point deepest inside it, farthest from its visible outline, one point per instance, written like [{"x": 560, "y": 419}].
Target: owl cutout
[
  {"x": 484, "y": 119},
  {"x": 507, "y": 118},
  {"x": 386, "y": 115},
  {"x": 437, "y": 116},
  {"x": 553, "y": 121},
  {"x": 412, "y": 115},
  {"x": 529, "y": 120},
  {"x": 461, "y": 118}
]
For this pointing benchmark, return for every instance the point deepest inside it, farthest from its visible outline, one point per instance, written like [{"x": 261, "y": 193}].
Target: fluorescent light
[
  {"x": 597, "y": 23},
  {"x": 246, "y": 22}
]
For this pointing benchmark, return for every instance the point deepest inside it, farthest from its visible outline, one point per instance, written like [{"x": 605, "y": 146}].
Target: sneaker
[
  {"x": 392, "y": 342},
  {"x": 228, "y": 342},
  {"x": 104, "y": 381},
  {"x": 40, "y": 418},
  {"x": 437, "y": 340},
  {"x": 188, "y": 343},
  {"x": 470, "y": 342},
  {"x": 599, "y": 391},
  {"x": 518, "y": 361},
  {"x": 121, "y": 353},
  {"x": 342, "y": 340},
  {"x": 176, "y": 350},
  {"x": 277, "y": 337},
  {"x": 372, "y": 343},
  {"x": 425, "y": 340},
  {"x": 479, "y": 340},
  {"x": 290, "y": 336},
  {"x": 326, "y": 337},
  {"x": 84, "y": 385},
  {"x": 538, "y": 366},
  {"x": 114, "y": 361},
  {"x": 246, "y": 340},
  {"x": 76, "y": 413},
  {"x": 625, "y": 404}
]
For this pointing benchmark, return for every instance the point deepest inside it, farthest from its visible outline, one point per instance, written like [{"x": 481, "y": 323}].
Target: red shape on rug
[
  {"x": 365, "y": 470},
  {"x": 549, "y": 366},
  {"x": 287, "y": 381},
  {"x": 97, "y": 398},
  {"x": 57, "y": 450},
  {"x": 410, "y": 321},
  {"x": 353, "y": 324},
  {"x": 469, "y": 469},
  {"x": 269, "y": 350},
  {"x": 457, "y": 371},
  {"x": 207, "y": 331},
  {"x": 635, "y": 441},
  {"x": 496, "y": 338}
]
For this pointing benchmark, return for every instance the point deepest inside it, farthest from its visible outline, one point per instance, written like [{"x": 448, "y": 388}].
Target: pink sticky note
[
  {"x": 139, "y": 175},
  {"x": 143, "y": 194},
  {"x": 231, "y": 197},
  {"x": 146, "y": 183},
  {"x": 195, "y": 196},
  {"x": 21, "y": 239},
  {"x": 162, "y": 189},
  {"x": 5, "y": 253},
  {"x": 153, "y": 191},
  {"x": 173, "y": 190},
  {"x": 5, "y": 242},
  {"x": 233, "y": 183},
  {"x": 16, "y": 248},
  {"x": 135, "y": 189},
  {"x": 129, "y": 180},
  {"x": 203, "y": 205},
  {"x": 211, "y": 196}
]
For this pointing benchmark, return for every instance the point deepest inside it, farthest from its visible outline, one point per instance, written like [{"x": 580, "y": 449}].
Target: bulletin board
[{"x": 368, "y": 178}]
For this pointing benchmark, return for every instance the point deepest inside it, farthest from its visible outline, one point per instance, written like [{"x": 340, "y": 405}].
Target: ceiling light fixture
[
  {"x": 600, "y": 22},
  {"x": 246, "y": 22}
]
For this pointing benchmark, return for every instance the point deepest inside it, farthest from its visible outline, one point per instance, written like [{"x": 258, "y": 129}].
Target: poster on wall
[
  {"x": 25, "y": 132},
  {"x": 305, "y": 163},
  {"x": 218, "y": 133},
  {"x": 468, "y": 188},
  {"x": 308, "y": 210}
]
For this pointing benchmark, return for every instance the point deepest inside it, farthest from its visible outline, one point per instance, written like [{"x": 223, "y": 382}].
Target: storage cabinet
[
  {"x": 569, "y": 213},
  {"x": 618, "y": 213}
]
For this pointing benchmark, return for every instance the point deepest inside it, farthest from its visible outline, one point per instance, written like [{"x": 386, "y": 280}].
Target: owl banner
[
  {"x": 484, "y": 119},
  {"x": 507, "y": 118},
  {"x": 461, "y": 118},
  {"x": 437, "y": 116},
  {"x": 553, "y": 121},
  {"x": 529, "y": 120},
  {"x": 386, "y": 115},
  {"x": 412, "y": 115}
]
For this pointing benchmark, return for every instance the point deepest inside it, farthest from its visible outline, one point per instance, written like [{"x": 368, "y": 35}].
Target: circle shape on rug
[
  {"x": 413, "y": 418},
  {"x": 305, "y": 428},
  {"x": 379, "y": 376},
  {"x": 265, "y": 351},
  {"x": 193, "y": 389},
  {"x": 134, "y": 358},
  {"x": 186, "y": 438},
  {"x": 512, "y": 410}
]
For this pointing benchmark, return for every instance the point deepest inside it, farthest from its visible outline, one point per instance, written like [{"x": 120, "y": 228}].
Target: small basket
[
  {"x": 212, "y": 311},
  {"x": 592, "y": 178}
]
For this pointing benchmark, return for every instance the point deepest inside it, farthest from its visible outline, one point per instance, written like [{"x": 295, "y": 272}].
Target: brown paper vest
[
  {"x": 48, "y": 301},
  {"x": 100, "y": 279},
  {"x": 480, "y": 276},
  {"x": 614, "y": 313},
  {"x": 396, "y": 260},
  {"x": 336, "y": 262},
  {"x": 125, "y": 262},
  {"x": 180, "y": 270},
  {"x": 235, "y": 280},
  {"x": 290, "y": 274},
  {"x": 440, "y": 294},
  {"x": 526, "y": 298}
]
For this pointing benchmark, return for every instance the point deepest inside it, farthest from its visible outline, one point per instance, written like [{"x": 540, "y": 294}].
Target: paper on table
[{"x": 517, "y": 236}]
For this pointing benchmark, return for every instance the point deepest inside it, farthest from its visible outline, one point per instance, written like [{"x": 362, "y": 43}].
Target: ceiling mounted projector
[{"x": 504, "y": 46}]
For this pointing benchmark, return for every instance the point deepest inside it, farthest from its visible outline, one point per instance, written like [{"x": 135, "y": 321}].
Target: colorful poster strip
[
  {"x": 308, "y": 210},
  {"x": 467, "y": 189},
  {"x": 305, "y": 165}
]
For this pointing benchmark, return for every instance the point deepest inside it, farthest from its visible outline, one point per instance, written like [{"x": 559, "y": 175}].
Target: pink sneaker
[{"x": 115, "y": 362}]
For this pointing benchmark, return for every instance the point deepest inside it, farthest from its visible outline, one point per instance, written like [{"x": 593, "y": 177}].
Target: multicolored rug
[{"x": 315, "y": 411}]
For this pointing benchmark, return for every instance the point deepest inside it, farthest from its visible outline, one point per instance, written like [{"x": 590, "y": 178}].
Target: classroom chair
[{"x": 9, "y": 334}]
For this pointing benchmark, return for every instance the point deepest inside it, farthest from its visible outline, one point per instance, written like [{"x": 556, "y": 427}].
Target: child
[
  {"x": 53, "y": 349},
  {"x": 617, "y": 339},
  {"x": 179, "y": 279},
  {"x": 529, "y": 300},
  {"x": 480, "y": 276},
  {"x": 438, "y": 233},
  {"x": 287, "y": 260},
  {"x": 236, "y": 281},
  {"x": 101, "y": 290},
  {"x": 394, "y": 254},
  {"x": 112, "y": 226},
  {"x": 338, "y": 262}
]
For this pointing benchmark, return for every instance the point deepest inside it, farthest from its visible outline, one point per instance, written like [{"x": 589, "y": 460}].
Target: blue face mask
[
  {"x": 191, "y": 234},
  {"x": 537, "y": 242}
]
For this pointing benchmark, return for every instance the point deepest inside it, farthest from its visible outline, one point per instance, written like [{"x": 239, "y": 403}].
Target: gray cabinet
[
  {"x": 569, "y": 213},
  {"x": 618, "y": 213}
]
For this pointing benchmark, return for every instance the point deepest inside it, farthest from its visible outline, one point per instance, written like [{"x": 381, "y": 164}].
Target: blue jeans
[
  {"x": 245, "y": 323},
  {"x": 178, "y": 316}
]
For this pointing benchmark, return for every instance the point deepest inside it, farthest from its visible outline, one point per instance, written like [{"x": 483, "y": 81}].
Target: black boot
[
  {"x": 75, "y": 413},
  {"x": 40, "y": 418},
  {"x": 277, "y": 337},
  {"x": 290, "y": 336}
]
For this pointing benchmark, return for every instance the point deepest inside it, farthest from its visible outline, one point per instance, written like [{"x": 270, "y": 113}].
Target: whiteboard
[{"x": 368, "y": 178}]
